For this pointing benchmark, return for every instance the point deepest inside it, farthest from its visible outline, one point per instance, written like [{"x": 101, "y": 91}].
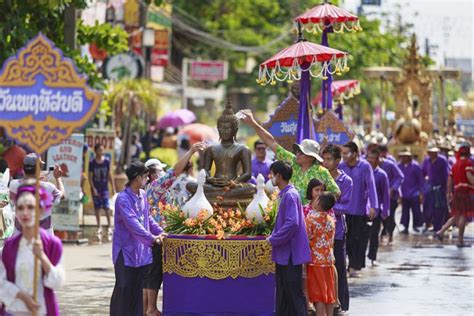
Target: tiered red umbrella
[
  {"x": 327, "y": 18},
  {"x": 342, "y": 89},
  {"x": 301, "y": 61}
]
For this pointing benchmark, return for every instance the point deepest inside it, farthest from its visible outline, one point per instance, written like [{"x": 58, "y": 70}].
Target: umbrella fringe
[{"x": 267, "y": 75}]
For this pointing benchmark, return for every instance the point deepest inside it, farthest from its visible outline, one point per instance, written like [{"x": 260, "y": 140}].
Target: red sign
[
  {"x": 159, "y": 52},
  {"x": 210, "y": 70}
]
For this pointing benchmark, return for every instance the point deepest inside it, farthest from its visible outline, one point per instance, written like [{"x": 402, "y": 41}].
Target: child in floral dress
[{"x": 321, "y": 227}]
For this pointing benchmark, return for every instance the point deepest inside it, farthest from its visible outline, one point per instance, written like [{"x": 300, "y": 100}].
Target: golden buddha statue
[{"x": 233, "y": 162}]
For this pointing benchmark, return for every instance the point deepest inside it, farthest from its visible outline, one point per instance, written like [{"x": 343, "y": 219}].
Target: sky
[{"x": 446, "y": 23}]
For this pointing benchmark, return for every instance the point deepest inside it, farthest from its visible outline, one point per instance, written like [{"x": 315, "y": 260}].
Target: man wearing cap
[
  {"x": 134, "y": 235},
  {"x": 361, "y": 209},
  {"x": 412, "y": 188},
  {"x": 305, "y": 160},
  {"x": 29, "y": 168},
  {"x": 436, "y": 172}
]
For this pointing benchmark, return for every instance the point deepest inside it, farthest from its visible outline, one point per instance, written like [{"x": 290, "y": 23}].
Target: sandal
[
  {"x": 438, "y": 236},
  {"x": 463, "y": 245}
]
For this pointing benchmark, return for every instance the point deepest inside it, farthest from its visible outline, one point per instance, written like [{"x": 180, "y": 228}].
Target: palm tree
[{"x": 131, "y": 100}]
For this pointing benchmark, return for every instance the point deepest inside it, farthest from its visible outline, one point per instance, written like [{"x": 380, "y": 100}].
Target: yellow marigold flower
[
  {"x": 181, "y": 214},
  {"x": 238, "y": 213},
  {"x": 267, "y": 218}
]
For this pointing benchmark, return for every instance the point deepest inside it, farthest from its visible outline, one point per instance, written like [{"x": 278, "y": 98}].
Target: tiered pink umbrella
[
  {"x": 301, "y": 61},
  {"x": 328, "y": 18},
  {"x": 344, "y": 89},
  {"x": 325, "y": 16}
]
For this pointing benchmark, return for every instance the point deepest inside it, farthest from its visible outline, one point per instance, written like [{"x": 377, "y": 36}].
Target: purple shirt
[
  {"x": 262, "y": 167},
  {"x": 383, "y": 192},
  {"x": 135, "y": 229},
  {"x": 395, "y": 176},
  {"x": 100, "y": 176},
  {"x": 344, "y": 182},
  {"x": 363, "y": 189},
  {"x": 437, "y": 171},
  {"x": 412, "y": 186},
  {"x": 289, "y": 238}
]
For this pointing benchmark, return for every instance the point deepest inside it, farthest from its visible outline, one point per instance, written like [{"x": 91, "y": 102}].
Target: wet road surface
[{"x": 416, "y": 276}]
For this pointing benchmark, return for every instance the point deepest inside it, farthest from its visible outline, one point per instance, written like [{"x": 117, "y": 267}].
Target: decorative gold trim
[
  {"x": 41, "y": 57},
  {"x": 217, "y": 259}
]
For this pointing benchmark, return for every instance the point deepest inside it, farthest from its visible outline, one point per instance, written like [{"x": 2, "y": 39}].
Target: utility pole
[{"x": 70, "y": 17}]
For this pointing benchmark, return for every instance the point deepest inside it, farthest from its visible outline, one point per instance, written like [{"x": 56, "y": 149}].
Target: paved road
[{"x": 416, "y": 276}]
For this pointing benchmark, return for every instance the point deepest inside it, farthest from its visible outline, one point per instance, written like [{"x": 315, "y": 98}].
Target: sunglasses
[
  {"x": 260, "y": 148},
  {"x": 23, "y": 207}
]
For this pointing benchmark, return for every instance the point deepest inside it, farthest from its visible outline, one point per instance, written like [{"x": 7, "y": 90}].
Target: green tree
[
  {"x": 22, "y": 20},
  {"x": 254, "y": 24}
]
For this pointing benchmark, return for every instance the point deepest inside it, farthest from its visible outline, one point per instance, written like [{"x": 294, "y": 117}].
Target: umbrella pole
[{"x": 36, "y": 230}]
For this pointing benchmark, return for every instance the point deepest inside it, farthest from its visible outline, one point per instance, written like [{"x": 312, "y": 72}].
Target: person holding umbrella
[{"x": 305, "y": 161}]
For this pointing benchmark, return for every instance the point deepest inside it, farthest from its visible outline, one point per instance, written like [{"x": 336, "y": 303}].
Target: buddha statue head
[{"x": 227, "y": 123}]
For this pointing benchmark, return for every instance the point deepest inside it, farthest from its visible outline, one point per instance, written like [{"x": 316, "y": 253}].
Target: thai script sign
[
  {"x": 210, "y": 70},
  {"x": 43, "y": 98},
  {"x": 284, "y": 122},
  {"x": 331, "y": 130}
]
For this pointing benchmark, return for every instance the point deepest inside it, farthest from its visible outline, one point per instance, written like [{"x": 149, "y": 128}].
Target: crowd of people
[{"x": 335, "y": 205}]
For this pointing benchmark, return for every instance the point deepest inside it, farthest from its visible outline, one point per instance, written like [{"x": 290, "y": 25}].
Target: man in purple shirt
[
  {"x": 383, "y": 197},
  {"x": 134, "y": 235},
  {"x": 359, "y": 215},
  {"x": 332, "y": 158},
  {"x": 412, "y": 188},
  {"x": 436, "y": 172},
  {"x": 289, "y": 241},
  {"x": 260, "y": 164},
  {"x": 384, "y": 154},
  {"x": 395, "y": 180}
]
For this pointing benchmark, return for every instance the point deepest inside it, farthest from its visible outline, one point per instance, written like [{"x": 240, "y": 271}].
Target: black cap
[{"x": 134, "y": 170}]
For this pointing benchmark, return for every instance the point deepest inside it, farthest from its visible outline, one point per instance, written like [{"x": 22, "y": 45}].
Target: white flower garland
[{"x": 269, "y": 75}]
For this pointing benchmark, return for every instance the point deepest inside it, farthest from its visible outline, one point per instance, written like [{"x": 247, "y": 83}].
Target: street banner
[
  {"x": 283, "y": 123},
  {"x": 68, "y": 155},
  {"x": 43, "y": 98},
  {"x": 331, "y": 130},
  {"x": 208, "y": 70}
]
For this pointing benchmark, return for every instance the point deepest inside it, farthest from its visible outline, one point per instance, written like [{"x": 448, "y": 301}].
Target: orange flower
[
  {"x": 267, "y": 218},
  {"x": 238, "y": 213},
  {"x": 202, "y": 215},
  {"x": 225, "y": 215},
  {"x": 181, "y": 214},
  {"x": 190, "y": 222},
  {"x": 220, "y": 234}
]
